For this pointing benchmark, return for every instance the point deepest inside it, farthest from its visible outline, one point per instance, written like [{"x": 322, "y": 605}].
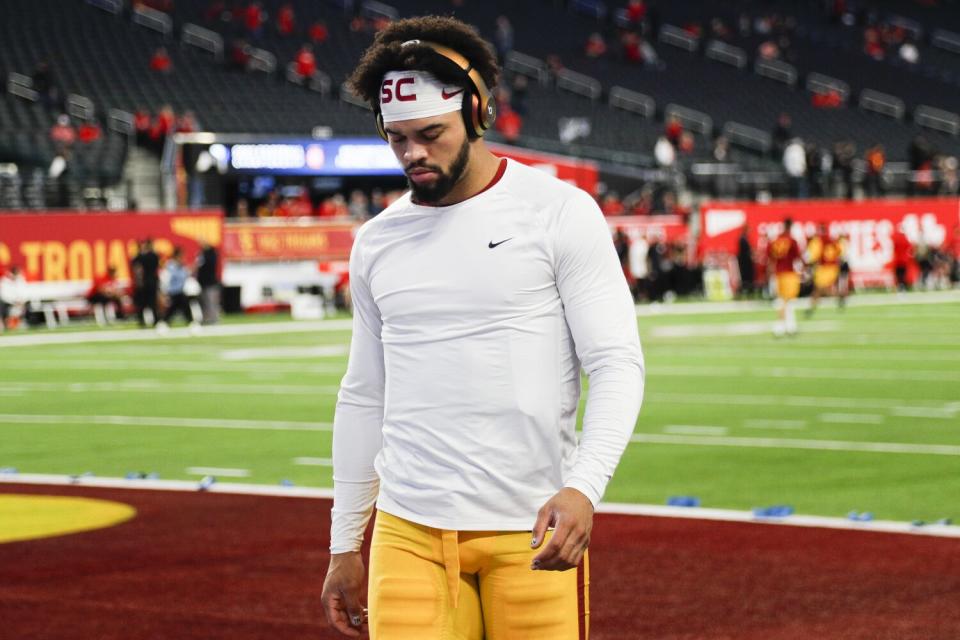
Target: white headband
[{"x": 407, "y": 95}]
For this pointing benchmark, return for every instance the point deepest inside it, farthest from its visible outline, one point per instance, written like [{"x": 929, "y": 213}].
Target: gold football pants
[{"x": 434, "y": 584}]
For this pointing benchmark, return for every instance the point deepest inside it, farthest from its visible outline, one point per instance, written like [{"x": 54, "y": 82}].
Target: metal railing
[
  {"x": 201, "y": 38},
  {"x": 820, "y": 83},
  {"x": 579, "y": 83},
  {"x": 690, "y": 118},
  {"x": 80, "y": 107},
  {"x": 348, "y": 96},
  {"x": 776, "y": 70},
  {"x": 937, "y": 119},
  {"x": 748, "y": 137},
  {"x": 882, "y": 103},
  {"x": 632, "y": 101},
  {"x": 527, "y": 65},
  {"x": 946, "y": 40},
  {"x": 262, "y": 60},
  {"x": 153, "y": 20},
  {"x": 727, "y": 54},
  {"x": 110, "y": 6},
  {"x": 21, "y": 86},
  {"x": 374, "y": 9},
  {"x": 677, "y": 37}
]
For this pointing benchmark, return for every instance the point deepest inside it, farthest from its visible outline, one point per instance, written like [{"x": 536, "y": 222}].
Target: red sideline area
[{"x": 211, "y": 565}]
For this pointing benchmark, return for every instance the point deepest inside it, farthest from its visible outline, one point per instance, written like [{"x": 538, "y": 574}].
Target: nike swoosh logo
[
  {"x": 447, "y": 96},
  {"x": 494, "y": 245}
]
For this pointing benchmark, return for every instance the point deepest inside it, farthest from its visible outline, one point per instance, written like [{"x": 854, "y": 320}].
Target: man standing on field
[
  {"x": 783, "y": 254},
  {"x": 478, "y": 296},
  {"x": 825, "y": 253}
]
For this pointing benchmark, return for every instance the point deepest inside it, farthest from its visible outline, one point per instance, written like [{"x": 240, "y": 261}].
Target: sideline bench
[{"x": 59, "y": 301}]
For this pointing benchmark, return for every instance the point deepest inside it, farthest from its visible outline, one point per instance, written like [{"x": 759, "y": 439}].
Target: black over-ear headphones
[{"x": 476, "y": 119}]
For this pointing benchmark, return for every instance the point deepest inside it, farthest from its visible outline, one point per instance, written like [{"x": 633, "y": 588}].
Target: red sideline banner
[
  {"x": 582, "y": 173},
  {"x": 869, "y": 225},
  {"x": 79, "y": 246},
  {"x": 331, "y": 241},
  {"x": 288, "y": 240},
  {"x": 664, "y": 228}
]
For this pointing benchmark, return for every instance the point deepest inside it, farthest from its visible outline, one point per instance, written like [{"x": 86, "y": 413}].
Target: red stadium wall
[
  {"x": 582, "y": 173},
  {"x": 869, "y": 225},
  {"x": 79, "y": 246},
  {"x": 664, "y": 228}
]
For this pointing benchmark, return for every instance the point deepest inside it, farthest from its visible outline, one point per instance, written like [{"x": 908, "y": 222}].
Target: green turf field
[{"x": 860, "y": 411}]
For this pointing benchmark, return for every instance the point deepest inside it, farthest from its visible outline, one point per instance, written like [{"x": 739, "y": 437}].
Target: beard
[{"x": 446, "y": 180}]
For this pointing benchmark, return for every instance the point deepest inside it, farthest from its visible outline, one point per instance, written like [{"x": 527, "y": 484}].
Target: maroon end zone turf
[{"x": 209, "y": 566}]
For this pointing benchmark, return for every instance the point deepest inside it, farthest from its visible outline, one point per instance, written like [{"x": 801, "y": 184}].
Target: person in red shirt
[
  {"x": 674, "y": 130},
  {"x": 253, "y": 19},
  {"x": 873, "y": 44},
  {"x": 632, "y": 52},
  {"x": 611, "y": 204},
  {"x": 160, "y": 61},
  {"x": 825, "y": 253},
  {"x": 107, "y": 292},
  {"x": 141, "y": 126},
  {"x": 318, "y": 32},
  {"x": 62, "y": 132},
  {"x": 827, "y": 100},
  {"x": 596, "y": 46},
  {"x": 285, "y": 20},
  {"x": 239, "y": 55},
  {"x": 186, "y": 123},
  {"x": 162, "y": 127},
  {"x": 635, "y": 11},
  {"x": 902, "y": 258},
  {"x": 509, "y": 123},
  {"x": 89, "y": 131},
  {"x": 164, "y": 122},
  {"x": 306, "y": 62},
  {"x": 783, "y": 254}
]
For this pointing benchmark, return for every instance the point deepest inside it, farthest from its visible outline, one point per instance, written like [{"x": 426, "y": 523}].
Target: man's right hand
[{"x": 341, "y": 593}]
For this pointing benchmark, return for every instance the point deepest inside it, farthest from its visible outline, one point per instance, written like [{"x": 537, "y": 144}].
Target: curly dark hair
[{"x": 387, "y": 54}]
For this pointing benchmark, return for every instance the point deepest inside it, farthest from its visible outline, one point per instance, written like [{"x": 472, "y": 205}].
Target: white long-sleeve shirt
[{"x": 471, "y": 325}]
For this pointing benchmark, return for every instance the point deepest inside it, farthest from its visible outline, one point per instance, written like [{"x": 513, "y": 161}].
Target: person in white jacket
[
  {"x": 12, "y": 285},
  {"x": 795, "y": 166},
  {"x": 478, "y": 298}
]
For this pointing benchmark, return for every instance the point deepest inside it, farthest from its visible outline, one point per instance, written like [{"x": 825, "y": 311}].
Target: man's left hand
[{"x": 571, "y": 514}]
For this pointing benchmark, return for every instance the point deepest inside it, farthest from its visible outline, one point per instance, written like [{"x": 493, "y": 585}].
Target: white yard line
[
  {"x": 173, "y": 365},
  {"x": 831, "y": 373},
  {"x": 263, "y": 353},
  {"x": 217, "y": 471},
  {"x": 657, "y": 511},
  {"x": 790, "y": 443},
  {"x": 771, "y": 352},
  {"x": 885, "y": 340},
  {"x": 196, "y": 387},
  {"x": 752, "y": 306},
  {"x": 786, "y": 425},
  {"x": 84, "y": 337},
  {"x": 852, "y": 418},
  {"x": 163, "y": 421},
  {"x": 896, "y": 375},
  {"x": 314, "y": 462},
  {"x": 695, "y": 430},
  {"x": 806, "y": 402},
  {"x": 732, "y": 329},
  {"x": 945, "y": 413}
]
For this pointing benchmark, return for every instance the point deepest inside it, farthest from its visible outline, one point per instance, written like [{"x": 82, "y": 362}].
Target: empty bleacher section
[
  {"x": 715, "y": 84},
  {"x": 705, "y": 61}
]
